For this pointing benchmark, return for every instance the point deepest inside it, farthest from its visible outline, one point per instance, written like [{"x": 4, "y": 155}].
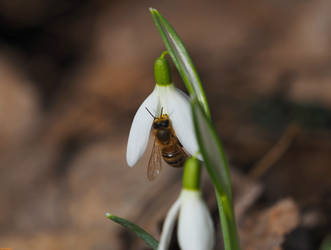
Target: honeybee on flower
[{"x": 176, "y": 111}]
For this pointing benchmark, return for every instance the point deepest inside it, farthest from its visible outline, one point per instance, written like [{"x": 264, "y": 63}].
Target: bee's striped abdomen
[{"x": 174, "y": 156}]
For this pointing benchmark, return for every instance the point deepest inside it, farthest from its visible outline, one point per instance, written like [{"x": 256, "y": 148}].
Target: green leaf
[
  {"x": 218, "y": 170},
  {"x": 211, "y": 150},
  {"x": 149, "y": 239},
  {"x": 326, "y": 243},
  {"x": 181, "y": 58}
]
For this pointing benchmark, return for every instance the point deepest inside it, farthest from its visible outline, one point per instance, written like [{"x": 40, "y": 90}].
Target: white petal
[
  {"x": 195, "y": 226},
  {"x": 168, "y": 226},
  {"x": 179, "y": 110},
  {"x": 140, "y": 129}
]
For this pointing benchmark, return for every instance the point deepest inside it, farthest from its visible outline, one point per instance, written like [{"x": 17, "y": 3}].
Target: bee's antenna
[
  {"x": 161, "y": 111},
  {"x": 150, "y": 113}
]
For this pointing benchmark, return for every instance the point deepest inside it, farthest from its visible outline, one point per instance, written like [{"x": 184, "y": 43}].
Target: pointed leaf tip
[
  {"x": 141, "y": 233},
  {"x": 151, "y": 9},
  {"x": 181, "y": 58}
]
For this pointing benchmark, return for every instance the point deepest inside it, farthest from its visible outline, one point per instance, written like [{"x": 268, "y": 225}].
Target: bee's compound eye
[{"x": 164, "y": 124}]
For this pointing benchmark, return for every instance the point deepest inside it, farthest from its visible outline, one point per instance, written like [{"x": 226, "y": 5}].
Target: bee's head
[{"x": 161, "y": 122}]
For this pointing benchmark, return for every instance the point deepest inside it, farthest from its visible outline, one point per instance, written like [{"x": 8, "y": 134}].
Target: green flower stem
[
  {"x": 164, "y": 53},
  {"x": 162, "y": 71},
  {"x": 192, "y": 173}
]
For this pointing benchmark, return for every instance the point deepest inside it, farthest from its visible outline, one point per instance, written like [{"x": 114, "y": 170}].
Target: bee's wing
[
  {"x": 181, "y": 148},
  {"x": 179, "y": 145},
  {"x": 155, "y": 162}
]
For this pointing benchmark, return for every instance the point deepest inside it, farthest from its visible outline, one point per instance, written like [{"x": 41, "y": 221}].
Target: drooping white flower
[
  {"x": 195, "y": 226},
  {"x": 176, "y": 105}
]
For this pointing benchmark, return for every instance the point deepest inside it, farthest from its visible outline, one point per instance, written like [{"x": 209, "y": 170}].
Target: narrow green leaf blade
[
  {"x": 211, "y": 150},
  {"x": 149, "y": 239},
  {"x": 228, "y": 223},
  {"x": 181, "y": 58},
  {"x": 218, "y": 170}
]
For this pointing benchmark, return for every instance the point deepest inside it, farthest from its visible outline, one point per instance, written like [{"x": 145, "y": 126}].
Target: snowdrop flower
[
  {"x": 195, "y": 226},
  {"x": 174, "y": 103}
]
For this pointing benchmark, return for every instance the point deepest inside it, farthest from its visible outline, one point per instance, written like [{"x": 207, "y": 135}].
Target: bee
[{"x": 166, "y": 145}]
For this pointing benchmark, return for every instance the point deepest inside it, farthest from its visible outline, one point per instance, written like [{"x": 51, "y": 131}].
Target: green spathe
[{"x": 162, "y": 70}]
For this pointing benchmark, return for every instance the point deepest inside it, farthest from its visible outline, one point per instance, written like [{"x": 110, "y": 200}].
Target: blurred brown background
[{"x": 73, "y": 73}]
